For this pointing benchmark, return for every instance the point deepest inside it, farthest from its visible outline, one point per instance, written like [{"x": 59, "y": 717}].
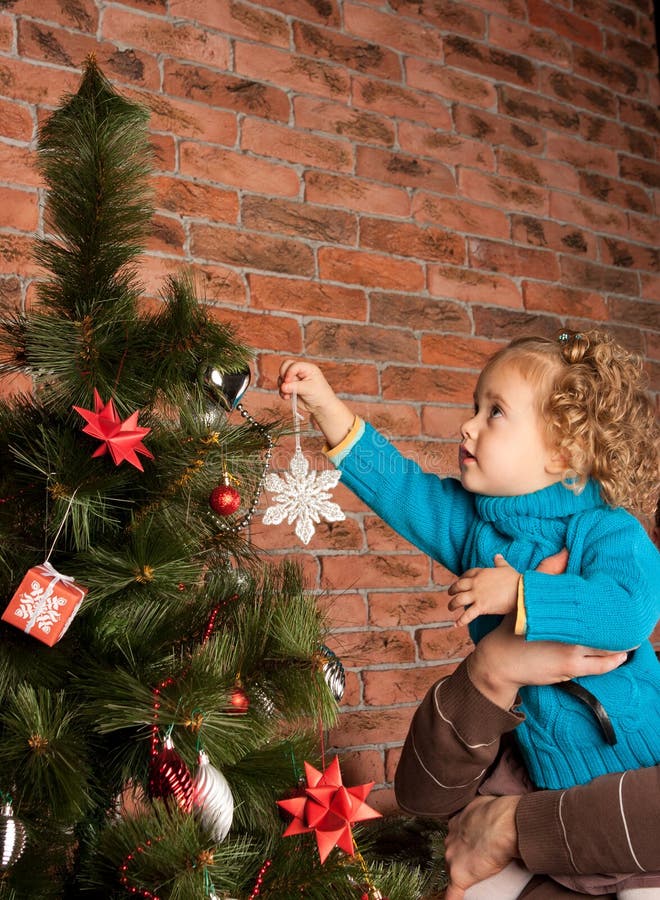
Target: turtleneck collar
[{"x": 553, "y": 502}]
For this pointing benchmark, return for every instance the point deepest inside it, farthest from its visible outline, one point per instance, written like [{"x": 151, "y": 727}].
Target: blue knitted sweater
[{"x": 609, "y": 596}]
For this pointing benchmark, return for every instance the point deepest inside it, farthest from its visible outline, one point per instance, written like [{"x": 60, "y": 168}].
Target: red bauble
[
  {"x": 224, "y": 500},
  {"x": 240, "y": 702},
  {"x": 169, "y": 777}
]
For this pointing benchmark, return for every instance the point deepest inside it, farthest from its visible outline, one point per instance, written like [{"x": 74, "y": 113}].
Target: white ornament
[
  {"x": 212, "y": 799},
  {"x": 302, "y": 496}
]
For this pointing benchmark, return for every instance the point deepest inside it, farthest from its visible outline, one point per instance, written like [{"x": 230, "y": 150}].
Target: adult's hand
[{"x": 481, "y": 840}]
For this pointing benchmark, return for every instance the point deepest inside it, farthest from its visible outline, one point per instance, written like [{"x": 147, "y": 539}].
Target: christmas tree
[{"x": 161, "y": 687}]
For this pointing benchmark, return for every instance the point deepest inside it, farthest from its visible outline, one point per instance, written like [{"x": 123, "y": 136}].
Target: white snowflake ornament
[{"x": 302, "y": 496}]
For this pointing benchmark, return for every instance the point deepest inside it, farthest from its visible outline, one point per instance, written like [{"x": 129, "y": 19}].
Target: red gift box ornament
[
  {"x": 328, "y": 809},
  {"x": 122, "y": 438},
  {"x": 45, "y": 603}
]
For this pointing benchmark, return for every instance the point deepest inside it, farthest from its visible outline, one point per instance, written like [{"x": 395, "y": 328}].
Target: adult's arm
[{"x": 455, "y": 734}]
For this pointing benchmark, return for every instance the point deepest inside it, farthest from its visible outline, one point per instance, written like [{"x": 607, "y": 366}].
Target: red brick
[
  {"x": 610, "y": 190},
  {"x": 580, "y": 273},
  {"x": 639, "y": 114},
  {"x": 494, "y": 130},
  {"x": 400, "y": 102},
  {"x": 240, "y": 248},
  {"x": 644, "y": 171},
  {"x": 564, "y": 301},
  {"x": 451, "y": 149},
  {"x": 623, "y": 254},
  {"x": 545, "y": 233},
  {"x": 490, "y": 62},
  {"x": 245, "y": 172},
  {"x": 235, "y": 18},
  {"x": 418, "y": 313},
  {"x": 604, "y": 131},
  {"x": 393, "y": 687},
  {"x": 361, "y": 55},
  {"x": 635, "y": 312},
  {"x": 215, "y": 89},
  {"x": 392, "y": 756},
  {"x": 374, "y": 571},
  {"x": 391, "y": 30},
  {"x": 450, "y": 83},
  {"x": 473, "y": 287},
  {"x": 460, "y": 215},
  {"x": 11, "y": 298},
  {"x": 16, "y": 256},
  {"x": 177, "y": 39},
  {"x": 446, "y": 15},
  {"x": 461, "y": 352},
  {"x": 532, "y": 107},
  {"x": 326, "y": 12},
  {"x": 362, "y": 728},
  {"x": 82, "y": 15},
  {"x": 361, "y": 195},
  {"x": 539, "y": 45},
  {"x": 643, "y": 228},
  {"x": 379, "y": 536},
  {"x": 268, "y": 332},
  {"x": 578, "y": 92},
  {"x": 291, "y": 71},
  {"x": 620, "y": 78},
  {"x": 506, "y": 324},
  {"x": 17, "y": 121},
  {"x": 597, "y": 216},
  {"x": 505, "y": 193},
  {"x": 368, "y": 765},
  {"x": 306, "y": 298},
  {"x": 361, "y": 648},
  {"x": 190, "y": 198},
  {"x": 423, "y": 243},
  {"x": 18, "y": 166},
  {"x": 216, "y": 283},
  {"x": 522, "y": 261},
  {"x": 294, "y": 218},
  {"x": 582, "y": 155},
  {"x": 166, "y": 235},
  {"x": 356, "y": 125},
  {"x": 6, "y": 34},
  {"x": 282, "y": 142},
  {"x": 617, "y": 16},
  {"x": 188, "y": 120},
  {"x": 443, "y": 643},
  {"x": 628, "y": 51},
  {"x": 344, "y": 610},
  {"x": 439, "y": 385},
  {"x": 35, "y": 83},
  {"x": 369, "y": 269},
  {"x": 565, "y": 23},
  {"x": 537, "y": 171},
  {"x": 164, "y": 153},
  {"x": 324, "y": 338},
  {"x": 392, "y": 609},
  {"x": 404, "y": 170},
  {"x": 650, "y": 287}
]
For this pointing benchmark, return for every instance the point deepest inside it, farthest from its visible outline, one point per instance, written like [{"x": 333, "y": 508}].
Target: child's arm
[{"x": 331, "y": 414}]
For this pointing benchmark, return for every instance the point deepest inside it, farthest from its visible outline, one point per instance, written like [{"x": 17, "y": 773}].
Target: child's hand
[
  {"x": 330, "y": 413},
  {"x": 480, "y": 591},
  {"x": 309, "y": 383}
]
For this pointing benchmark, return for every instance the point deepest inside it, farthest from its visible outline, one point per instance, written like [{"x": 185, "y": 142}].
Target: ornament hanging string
[{"x": 64, "y": 518}]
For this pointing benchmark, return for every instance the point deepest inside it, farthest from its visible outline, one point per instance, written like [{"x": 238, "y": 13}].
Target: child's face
[{"x": 505, "y": 451}]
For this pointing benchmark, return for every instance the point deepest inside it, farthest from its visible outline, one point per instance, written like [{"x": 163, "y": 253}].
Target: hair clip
[{"x": 565, "y": 336}]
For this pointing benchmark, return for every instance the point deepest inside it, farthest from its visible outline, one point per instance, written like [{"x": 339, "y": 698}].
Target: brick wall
[{"x": 393, "y": 189}]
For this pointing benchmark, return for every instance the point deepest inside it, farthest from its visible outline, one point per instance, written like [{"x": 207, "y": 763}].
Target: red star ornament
[
  {"x": 122, "y": 439},
  {"x": 328, "y": 809}
]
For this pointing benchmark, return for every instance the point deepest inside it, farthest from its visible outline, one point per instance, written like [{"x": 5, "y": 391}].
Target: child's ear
[{"x": 556, "y": 463}]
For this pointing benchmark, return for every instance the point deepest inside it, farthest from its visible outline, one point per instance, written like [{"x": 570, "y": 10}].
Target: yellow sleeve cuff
[
  {"x": 521, "y": 615},
  {"x": 336, "y": 454}
]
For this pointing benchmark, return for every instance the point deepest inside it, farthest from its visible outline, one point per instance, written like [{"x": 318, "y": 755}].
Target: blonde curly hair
[{"x": 592, "y": 394}]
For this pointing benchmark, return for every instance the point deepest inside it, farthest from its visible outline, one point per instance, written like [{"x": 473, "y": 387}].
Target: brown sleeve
[
  {"x": 452, "y": 741},
  {"x": 611, "y": 824}
]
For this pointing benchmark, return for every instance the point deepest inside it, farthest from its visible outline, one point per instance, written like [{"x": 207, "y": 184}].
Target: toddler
[{"x": 561, "y": 450}]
